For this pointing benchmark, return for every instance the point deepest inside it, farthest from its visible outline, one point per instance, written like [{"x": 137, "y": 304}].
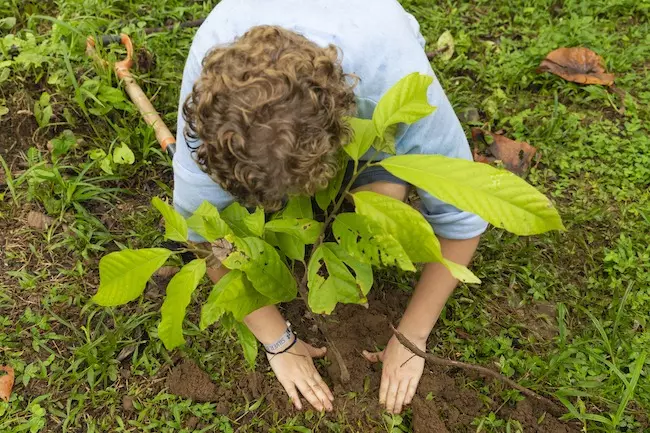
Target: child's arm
[
  {"x": 295, "y": 369},
  {"x": 401, "y": 372}
]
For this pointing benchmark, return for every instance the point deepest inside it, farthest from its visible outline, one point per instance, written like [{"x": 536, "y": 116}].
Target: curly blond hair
[{"x": 269, "y": 112}]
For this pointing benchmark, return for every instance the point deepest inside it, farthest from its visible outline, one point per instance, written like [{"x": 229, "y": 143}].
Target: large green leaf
[
  {"x": 307, "y": 230},
  {"x": 291, "y": 246},
  {"x": 242, "y": 222},
  {"x": 124, "y": 274},
  {"x": 207, "y": 223},
  {"x": 346, "y": 280},
  {"x": 364, "y": 135},
  {"x": 264, "y": 268},
  {"x": 175, "y": 225},
  {"x": 248, "y": 343},
  {"x": 234, "y": 293},
  {"x": 409, "y": 228},
  {"x": 298, "y": 207},
  {"x": 178, "y": 296},
  {"x": 496, "y": 195},
  {"x": 361, "y": 237},
  {"x": 405, "y": 102}
]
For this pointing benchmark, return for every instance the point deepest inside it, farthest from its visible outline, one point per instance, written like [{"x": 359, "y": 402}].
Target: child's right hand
[{"x": 295, "y": 370}]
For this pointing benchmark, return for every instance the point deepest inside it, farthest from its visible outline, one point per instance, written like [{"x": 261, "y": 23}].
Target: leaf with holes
[
  {"x": 306, "y": 230},
  {"x": 124, "y": 274},
  {"x": 334, "y": 276},
  {"x": 248, "y": 343},
  {"x": 177, "y": 298},
  {"x": 298, "y": 207},
  {"x": 405, "y": 102},
  {"x": 207, "y": 223},
  {"x": 364, "y": 135},
  {"x": 242, "y": 222},
  {"x": 264, "y": 268},
  {"x": 410, "y": 229},
  {"x": 234, "y": 293},
  {"x": 175, "y": 225},
  {"x": 498, "y": 196},
  {"x": 361, "y": 237}
]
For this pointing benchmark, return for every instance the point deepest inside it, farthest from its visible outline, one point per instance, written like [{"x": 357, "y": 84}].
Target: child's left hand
[{"x": 401, "y": 373}]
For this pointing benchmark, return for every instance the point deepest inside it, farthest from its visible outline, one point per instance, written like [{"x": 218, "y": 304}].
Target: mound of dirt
[{"x": 443, "y": 403}]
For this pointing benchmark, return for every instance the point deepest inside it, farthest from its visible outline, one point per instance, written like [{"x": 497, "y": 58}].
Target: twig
[
  {"x": 432, "y": 54},
  {"x": 553, "y": 408}
]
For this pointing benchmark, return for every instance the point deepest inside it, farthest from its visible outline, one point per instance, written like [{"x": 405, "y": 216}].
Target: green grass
[{"x": 565, "y": 314}]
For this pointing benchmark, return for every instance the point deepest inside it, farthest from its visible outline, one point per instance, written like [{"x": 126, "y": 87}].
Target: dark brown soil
[{"x": 445, "y": 401}]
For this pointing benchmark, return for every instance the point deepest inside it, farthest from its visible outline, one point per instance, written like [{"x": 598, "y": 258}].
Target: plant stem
[{"x": 552, "y": 407}]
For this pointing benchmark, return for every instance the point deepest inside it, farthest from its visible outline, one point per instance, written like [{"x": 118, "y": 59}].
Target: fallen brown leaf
[
  {"x": 38, "y": 220},
  {"x": 6, "y": 382},
  {"x": 167, "y": 271},
  {"x": 578, "y": 64},
  {"x": 516, "y": 156}
]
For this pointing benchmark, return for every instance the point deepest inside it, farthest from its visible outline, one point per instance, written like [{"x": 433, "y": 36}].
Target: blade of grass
[{"x": 629, "y": 389}]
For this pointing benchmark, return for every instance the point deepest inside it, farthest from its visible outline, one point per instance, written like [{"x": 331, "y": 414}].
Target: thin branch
[{"x": 553, "y": 407}]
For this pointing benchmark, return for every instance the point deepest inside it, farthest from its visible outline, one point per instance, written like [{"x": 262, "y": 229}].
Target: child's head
[{"x": 269, "y": 112}]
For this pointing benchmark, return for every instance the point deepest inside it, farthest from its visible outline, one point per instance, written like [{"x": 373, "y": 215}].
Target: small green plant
[{"x": 381, "y": 232}]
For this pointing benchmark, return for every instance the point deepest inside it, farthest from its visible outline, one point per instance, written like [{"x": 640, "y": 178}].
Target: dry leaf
[
  {"x": 38, "y": 220},
  {"x": 578, "y": 64},
  {"x": 221, "y": 249},
  {"x": 446, "y": 45},
  {"x": 167, "y": 271},
  {"x": 6, "y": 382},
  {"x": 516, "y": 156}
]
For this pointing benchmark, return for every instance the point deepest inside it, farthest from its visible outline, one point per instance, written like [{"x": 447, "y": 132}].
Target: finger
[
  {"x": 374, "y": 356},
  {"x": 323, "y": 386},
  {"x": 290, "y": 388},
  {"x": 383, "y": 389},
  {"x": 320, "y": 394},
  {"x": 310, "y": 395},
  {"x": 401, "y": 396},
  {"x": 391, "y": 396},
  {"x": 410, "y": 392},
  {"x": 315, "y": 352}
]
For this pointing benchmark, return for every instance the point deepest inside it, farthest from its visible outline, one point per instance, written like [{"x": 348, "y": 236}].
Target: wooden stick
[{"x": 553, "y": 408}]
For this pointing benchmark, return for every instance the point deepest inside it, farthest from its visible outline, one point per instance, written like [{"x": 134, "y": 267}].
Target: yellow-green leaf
[
  {"x": 364, "y": 134},
  {"x": 298, "y": 207},
  {"x": 409, "y": 228},
  {"x": 361, "y": 237},
  {"x": 242, "y": 222},
  {"x": 175, "y": 224},
  {"x": 207, "y": 223},
  {"x": 498, "y": 196},
  {"x": 347, "y": 279},
  {"x": 248, "y": 343},
  {"x": 405, "y": 102},
  {"x": 178, "y": 295},
  {"x": 264, "y": 268},
  {"x": 124, "y": 274},
  {"x": 307, "y": 230}
]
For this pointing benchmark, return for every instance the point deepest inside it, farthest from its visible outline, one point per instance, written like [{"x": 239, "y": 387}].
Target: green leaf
[
  {"x": 179, "y": 294},
  {"x": 361, "y": 237},
  {"x": 405, "y": 102},
  {"x": 346, "y": 279},
  {"x": 242, "y": 222},
  {"x": 124, "y": 274},
  {"x": 264, "y": 268},
  {"x": 234, "y": 293},
  {"x": 298, "y": 207},
  {"x": 63, "y": 143},
  {"x": 291, "y": 246},
  {"x": 410, "y": 229},
  {"x": 325, "y": 196},
  {"x": 123, "y": 155},
  {"x": 496, "y": 195},
  {"x": 446, "y": 44},
  {"x": 307, "y": 230},
  {"x": 364, "y": 135},
  {"x": 207, "y": 223},
  {"x": 106, "y": 165},
  {"x": 175, "y": 225},
  {"x": 387, "y": 142},
  {"x": 248, "y": 343}
]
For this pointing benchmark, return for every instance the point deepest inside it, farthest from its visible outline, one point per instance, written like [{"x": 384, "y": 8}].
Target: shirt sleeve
[{"x": 192, "y": 186}]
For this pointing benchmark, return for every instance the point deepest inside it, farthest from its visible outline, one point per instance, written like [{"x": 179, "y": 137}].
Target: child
[{"x": 265, "y": 89}]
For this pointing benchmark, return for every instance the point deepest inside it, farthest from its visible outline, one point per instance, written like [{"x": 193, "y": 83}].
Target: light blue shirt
[{"x": 380, "y": 43}]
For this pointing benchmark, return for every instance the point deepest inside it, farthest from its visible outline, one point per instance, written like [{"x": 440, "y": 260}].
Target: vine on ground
[{"x": 381, "y": 232}]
